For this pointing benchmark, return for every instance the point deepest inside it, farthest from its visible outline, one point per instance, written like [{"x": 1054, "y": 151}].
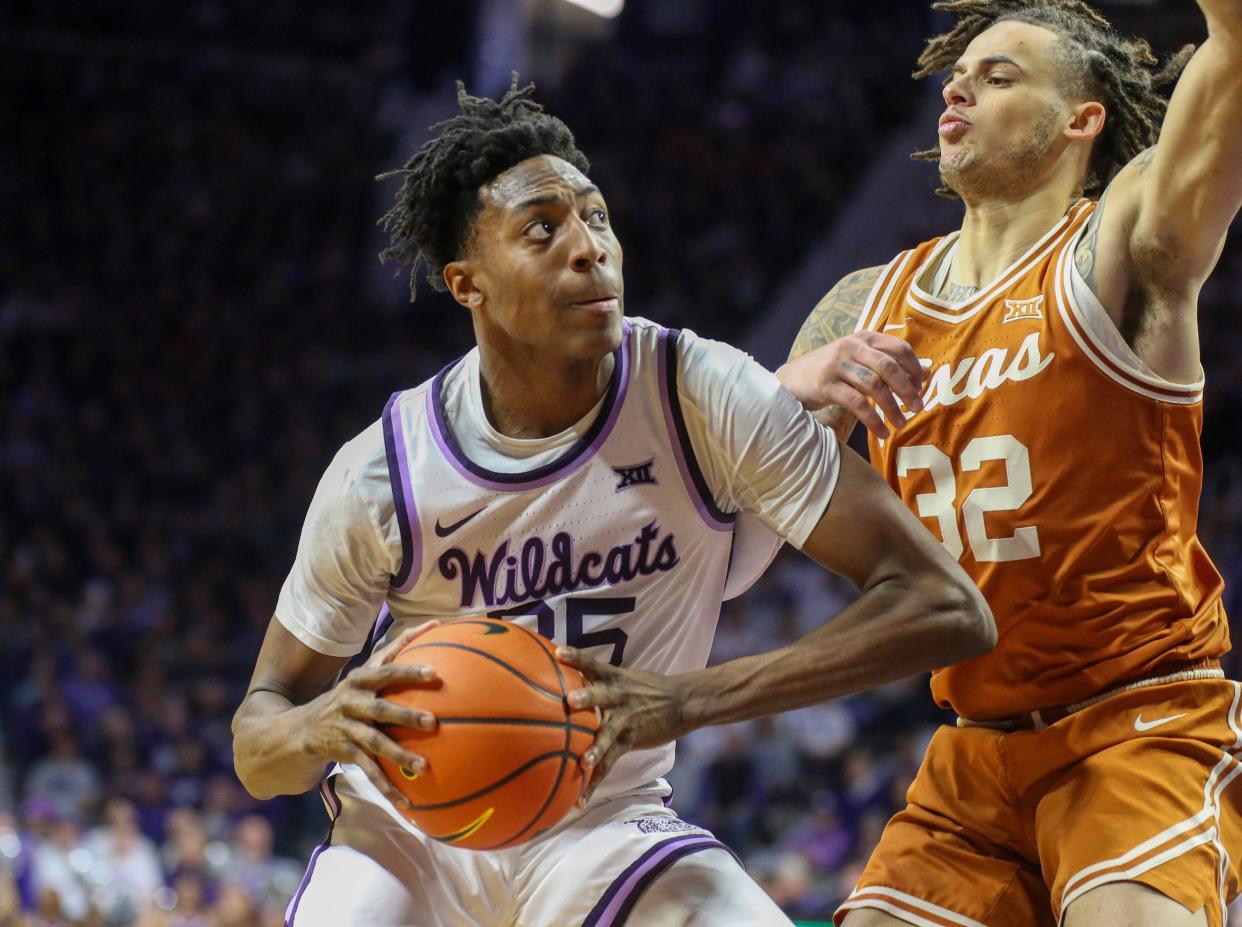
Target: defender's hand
[
  {"x": 640, "y": 709},
  {"x": 855, "y": 371},
  {"x": 345, "y": 720}
]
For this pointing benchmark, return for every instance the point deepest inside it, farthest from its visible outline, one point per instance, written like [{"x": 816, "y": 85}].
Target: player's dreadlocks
[
  {"x": 1097, "y": 64},
  {"x": 439, "y": 199}
]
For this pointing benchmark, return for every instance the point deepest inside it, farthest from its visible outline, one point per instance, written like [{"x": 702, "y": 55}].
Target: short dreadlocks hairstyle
[
  {"x": 1097, "y": 64},
  {"x": 434, "y": 214}
]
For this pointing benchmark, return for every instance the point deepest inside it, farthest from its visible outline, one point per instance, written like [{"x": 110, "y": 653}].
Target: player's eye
[
  {"x": 597, "y": 218},
  {"x": 998, "y": 81},
  {"x": 539, "y": 230}
]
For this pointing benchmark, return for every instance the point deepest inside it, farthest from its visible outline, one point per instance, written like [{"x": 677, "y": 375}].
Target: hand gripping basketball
[
  {"x": 346, "y": 726},
  {"x": 640, "y": 709},
  {"x": 504, "y": 762}
]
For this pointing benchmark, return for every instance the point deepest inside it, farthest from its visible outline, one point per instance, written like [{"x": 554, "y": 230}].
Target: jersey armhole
[
  {"x": 395, "y": 449},
  {"x": 679, "y": 437},
  {"x": 881, "y": 291},
  {"x": 1097, "y": 337}
]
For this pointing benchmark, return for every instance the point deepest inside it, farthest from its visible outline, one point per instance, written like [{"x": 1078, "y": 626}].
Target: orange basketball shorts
[{"x": 1007, "y": 829}]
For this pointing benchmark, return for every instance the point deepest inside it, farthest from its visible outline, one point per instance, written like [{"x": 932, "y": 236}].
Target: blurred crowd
[{"x": 185, "y": 340}]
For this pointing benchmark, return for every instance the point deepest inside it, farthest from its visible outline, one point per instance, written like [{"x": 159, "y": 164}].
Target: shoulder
[
  {"x": 837, "y": 312},
  {"x": 356, "y": 483}
]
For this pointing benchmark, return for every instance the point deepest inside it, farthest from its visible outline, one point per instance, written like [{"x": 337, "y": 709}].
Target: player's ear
[
  {"x": 1087, "y": 121},
  {"x": 459, "y": 278}
]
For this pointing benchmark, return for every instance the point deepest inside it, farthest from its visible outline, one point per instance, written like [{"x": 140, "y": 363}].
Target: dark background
[{"x": 192, "y": 320}]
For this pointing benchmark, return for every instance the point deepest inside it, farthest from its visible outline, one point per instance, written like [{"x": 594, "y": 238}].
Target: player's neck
[
  {"x": 526, "y": 396},
  {"x": 995, "y": 233}
]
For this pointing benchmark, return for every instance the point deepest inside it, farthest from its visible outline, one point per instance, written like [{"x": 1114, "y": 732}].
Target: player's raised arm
[
  {"x": 1192, "y": 188},
  {"x": 846, "y": 376},
  {"x": 1163, "y": 219}
]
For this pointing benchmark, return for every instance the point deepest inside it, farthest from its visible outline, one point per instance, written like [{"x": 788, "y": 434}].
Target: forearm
[
  {"x": 269, "y": 753},
  {"x": 890, "y": 632}
]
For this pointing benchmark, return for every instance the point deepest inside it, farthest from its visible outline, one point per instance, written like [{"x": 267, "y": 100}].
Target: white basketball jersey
[{"x": 616, "y": 547}]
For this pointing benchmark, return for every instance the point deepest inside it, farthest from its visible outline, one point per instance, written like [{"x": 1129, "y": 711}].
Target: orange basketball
[{"x": 503, "y": 761}]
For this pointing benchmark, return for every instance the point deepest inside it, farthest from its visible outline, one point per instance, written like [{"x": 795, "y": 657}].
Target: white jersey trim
[
  {"x": 874, "y": 307},
  {"x": 1203, "y": 827},
  {"x": 871, "y": 897},
  {"x": 1126, "y": 369},
  {"x": 924, "y": 302}
]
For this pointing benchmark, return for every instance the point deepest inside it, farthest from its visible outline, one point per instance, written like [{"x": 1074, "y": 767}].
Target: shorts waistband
[{"x": 1037, "y": 720}]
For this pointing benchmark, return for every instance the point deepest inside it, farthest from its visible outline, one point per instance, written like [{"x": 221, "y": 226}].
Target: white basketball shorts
[{"x": 624, "y": 859}]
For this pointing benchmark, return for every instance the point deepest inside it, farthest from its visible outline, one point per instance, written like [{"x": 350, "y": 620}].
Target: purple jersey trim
[
  {"x": 615, "y": 905},
  {"x": 328, "y": 790},
  {"x": 582, "y": 451},
  {"x": 403, "y": 497},
  {"x": 687, "y": 465},
  {"x": 383, "y": 621}
]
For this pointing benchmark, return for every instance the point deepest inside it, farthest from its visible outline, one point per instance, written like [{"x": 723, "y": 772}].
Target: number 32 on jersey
[{"x": 941, "y": 503}]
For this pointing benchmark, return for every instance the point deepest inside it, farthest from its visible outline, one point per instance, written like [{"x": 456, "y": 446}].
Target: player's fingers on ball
[
  {"x": 605, "y": 738},
  {"x": 596, "y": 696},
  {"x": 596, "y": 777},
  {"x": 382, "y": 711},
  {"x": 391, "y": 674},
  {"x": 376, "y": 743},
  {"x": 373, "y": 772},
  {"x": 583, "y": 662},
  {"x": 390, "y": 650}
]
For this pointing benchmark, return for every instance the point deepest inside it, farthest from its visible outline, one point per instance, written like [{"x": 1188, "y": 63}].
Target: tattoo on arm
[
  {"x": 1084, "y": 255},
  {"x": 836, "y": 315}
]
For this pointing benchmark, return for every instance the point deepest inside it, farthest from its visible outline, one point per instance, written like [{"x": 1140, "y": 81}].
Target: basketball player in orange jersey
[{"x": 1051, "y": 443}]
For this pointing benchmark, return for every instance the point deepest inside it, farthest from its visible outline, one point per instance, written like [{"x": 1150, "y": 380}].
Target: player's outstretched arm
[
  {"x": 845, "y": 376},
  {"x": 294, "y": 720},
  {"x": 918, "y": 611},
  {"x": 1163, "y": 219}
]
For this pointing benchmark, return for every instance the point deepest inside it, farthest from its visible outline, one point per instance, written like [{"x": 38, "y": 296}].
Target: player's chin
[{"x": 593, "y": 331}]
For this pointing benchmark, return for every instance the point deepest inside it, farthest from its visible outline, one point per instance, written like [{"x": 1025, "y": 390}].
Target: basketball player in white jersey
[
  {"x": 579, "y": 473},
  {"x": 1053, "y": 446}
]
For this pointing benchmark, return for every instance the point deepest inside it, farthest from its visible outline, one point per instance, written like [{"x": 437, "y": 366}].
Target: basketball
[{"x": 503, "y": 762}]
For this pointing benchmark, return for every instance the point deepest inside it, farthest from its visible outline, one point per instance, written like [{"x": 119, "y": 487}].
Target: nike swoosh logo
[
  {"x": 889, "y": 328},
  {"x": 1141, "y": 725},
  {"x": 443, "y": 531}
]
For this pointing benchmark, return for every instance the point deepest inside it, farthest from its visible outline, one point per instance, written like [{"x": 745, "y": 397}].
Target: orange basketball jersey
[{"x": 1061, "y": 472}]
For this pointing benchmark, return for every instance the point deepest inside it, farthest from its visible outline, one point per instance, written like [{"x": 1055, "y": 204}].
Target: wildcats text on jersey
[{"x": 541, "y": 569}]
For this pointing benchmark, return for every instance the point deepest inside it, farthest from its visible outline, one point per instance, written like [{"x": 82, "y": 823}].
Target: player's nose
[
  {"x": 585, "y": 250},
  {"x": 957, "y": 91}
]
